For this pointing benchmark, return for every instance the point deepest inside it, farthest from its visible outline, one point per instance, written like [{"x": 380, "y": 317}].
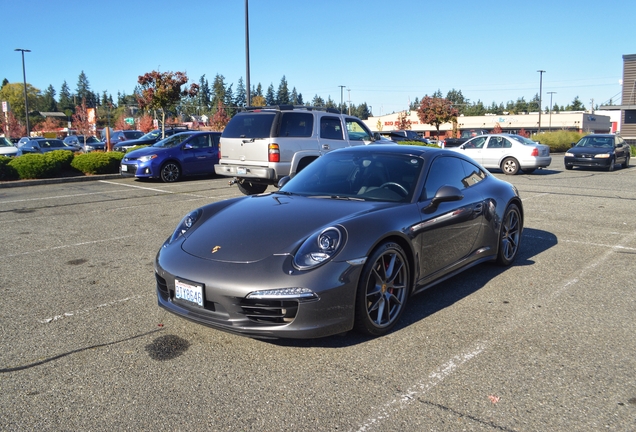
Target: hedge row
[{"x": 52, "y": 164}]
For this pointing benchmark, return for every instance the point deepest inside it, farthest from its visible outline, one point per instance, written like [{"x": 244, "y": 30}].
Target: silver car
[{"x": 507, "y": 152}]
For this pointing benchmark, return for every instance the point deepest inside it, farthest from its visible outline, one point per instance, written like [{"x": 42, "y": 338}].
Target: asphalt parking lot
[{"x": 548, "y": 344}]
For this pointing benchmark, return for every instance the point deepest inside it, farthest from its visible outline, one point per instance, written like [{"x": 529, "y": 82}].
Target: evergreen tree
[
  {"x": 218, "y": 91},
  {"x": 230, "y": 110},
  {"x": 270, "y": 98},
  {"x": 240, "y": 100},
  {"x": 83, "y": 91},
  {"x": 204, "y": 93},
  {"x": 282, "y": 96},
  {"x": 65, "y": 102},
  {"x": 47, "y": 102}
]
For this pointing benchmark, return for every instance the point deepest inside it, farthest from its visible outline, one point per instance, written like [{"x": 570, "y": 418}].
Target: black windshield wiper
[{"x": 338, "y": 197}]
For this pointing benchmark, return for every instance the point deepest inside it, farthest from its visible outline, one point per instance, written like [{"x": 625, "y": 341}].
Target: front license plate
[
  {"x": 187, "y": 292},
  {"x": 124, "y": 168},
  {"x": 241, "y": 171}
]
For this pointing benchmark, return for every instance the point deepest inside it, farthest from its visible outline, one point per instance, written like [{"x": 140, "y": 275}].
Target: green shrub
[
  {"x": 61, "y": 157},
  {"x": 35, "y": 166},
  {"x": 7, "y": 172},
  {"x": 135, "y": 148},
  {"x": 559, "y": 141},
  {"x": 98, "y": 162},
  {"x": 417, "y": 143}
]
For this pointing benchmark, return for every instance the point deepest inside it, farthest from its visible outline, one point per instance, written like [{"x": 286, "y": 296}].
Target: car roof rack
[{"x": 290, "y": 108}]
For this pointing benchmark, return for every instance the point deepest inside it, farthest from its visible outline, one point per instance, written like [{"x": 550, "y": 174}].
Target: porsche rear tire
[{"x": 510, "y": 235}]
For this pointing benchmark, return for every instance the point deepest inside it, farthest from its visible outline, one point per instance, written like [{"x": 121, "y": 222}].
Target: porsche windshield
[
  {"x": 370, "y": 176},
  {"x": 173, "y": 140}
]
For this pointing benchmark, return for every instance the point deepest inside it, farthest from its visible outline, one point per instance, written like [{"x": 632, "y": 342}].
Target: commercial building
[
  {"x": 627, "y": 108},
  {"x": 510, "y": 123}
]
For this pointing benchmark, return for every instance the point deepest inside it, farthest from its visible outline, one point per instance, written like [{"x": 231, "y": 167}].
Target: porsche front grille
[{"x": 269, "y": 311}]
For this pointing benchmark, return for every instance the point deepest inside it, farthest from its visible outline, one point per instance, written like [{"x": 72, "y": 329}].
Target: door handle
[{"x": 325, "y": 146}]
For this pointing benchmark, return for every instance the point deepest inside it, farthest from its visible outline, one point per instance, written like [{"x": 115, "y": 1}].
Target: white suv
[{"x": 259, "y": 146}]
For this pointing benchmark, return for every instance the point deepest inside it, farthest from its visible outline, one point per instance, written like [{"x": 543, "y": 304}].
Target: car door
[
  {"x": 621, "y": 149},
  {"x": 332, "y": 134},
  {"x": 494, "y": 149},
  {"x": 199, "y": 154},
  {"x": 449, "y": 230},
  {"x": 474, "y": 147}
]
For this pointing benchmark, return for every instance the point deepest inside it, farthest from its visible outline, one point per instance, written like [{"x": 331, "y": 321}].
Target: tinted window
[
  {"x": 250, "y": 125},
  {"x": 446, "y": 170},
  {"x": 472, "y": 174},
  {"x": 331, "y": 128},
  {"x": 296, "y": 124}
]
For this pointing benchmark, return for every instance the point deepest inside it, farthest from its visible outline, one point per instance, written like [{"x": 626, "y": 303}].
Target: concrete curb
[{"x": 57, "y": 180}]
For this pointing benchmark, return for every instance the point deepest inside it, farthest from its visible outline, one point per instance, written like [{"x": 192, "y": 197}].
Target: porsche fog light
[
  {"x": 186, "y": 223},
  {"x": 319, "y": 248},
  {"x": 283, "y": 294}
]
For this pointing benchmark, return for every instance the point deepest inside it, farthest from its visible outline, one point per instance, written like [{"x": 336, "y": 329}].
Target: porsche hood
[{"x": 256, "y": 227}]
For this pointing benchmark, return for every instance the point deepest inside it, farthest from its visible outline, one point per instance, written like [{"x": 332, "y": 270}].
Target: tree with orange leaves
[
  {"x": 162, "y": 90},
  {"x": 436, "y": 111}
]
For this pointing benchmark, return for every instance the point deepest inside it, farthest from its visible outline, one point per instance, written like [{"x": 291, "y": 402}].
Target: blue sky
[{"x": 385, "y": 53}]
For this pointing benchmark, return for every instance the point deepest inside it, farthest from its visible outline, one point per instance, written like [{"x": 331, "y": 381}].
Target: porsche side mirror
[{"x": 445, "y": 193}]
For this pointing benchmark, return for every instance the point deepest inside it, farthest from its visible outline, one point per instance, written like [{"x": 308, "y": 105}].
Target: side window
[
  {"x": 495, "y": 142},
  {"x": 507, "y": 143},
  {"x": 331, "y": 128},
  {"x": 472, "y": 174},
  {"x": 356, "y": 130},
  {"x": 476, "y": 143},
  {"x": 201, "y": 141},
  {"x": 446, "y": 170},
  {"x": 295, "y": 124}
]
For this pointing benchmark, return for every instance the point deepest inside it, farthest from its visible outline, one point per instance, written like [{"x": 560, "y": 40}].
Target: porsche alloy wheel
[
  {"x": 383, "y": 290},
  {"x": 510, "y": 235}
]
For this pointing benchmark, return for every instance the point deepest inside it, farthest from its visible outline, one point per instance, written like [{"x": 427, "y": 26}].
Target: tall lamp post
[
  {"x": 247, "y": 55},
  {"x": 341, "y": 101},
  {"x": 540, "y": 92},
  {"x": 26, "y": 101},
  {"x": 551, "y": 93}
]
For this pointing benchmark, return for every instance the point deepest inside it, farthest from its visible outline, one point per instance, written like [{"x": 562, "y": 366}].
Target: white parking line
[
  {"x": 67, "y": 246},
  {"x": 89, "y": 310},
  {"x": 420, "y": 388},
  {"x": 436, "y": 377}
]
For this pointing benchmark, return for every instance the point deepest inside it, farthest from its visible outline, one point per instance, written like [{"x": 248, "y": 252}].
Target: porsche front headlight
[
  {"x": 186, "y": 224},
  {"x": 320, "y": 248}
]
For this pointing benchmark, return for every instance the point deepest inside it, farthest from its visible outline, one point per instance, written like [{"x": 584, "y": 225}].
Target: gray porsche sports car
[{"x": 342, "y": 245}]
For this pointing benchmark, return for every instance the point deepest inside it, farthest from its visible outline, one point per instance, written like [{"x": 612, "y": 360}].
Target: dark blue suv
[{"x": 182, "y": 154}]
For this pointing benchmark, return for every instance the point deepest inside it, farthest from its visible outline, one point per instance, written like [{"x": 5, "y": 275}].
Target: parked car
[
  {"x": 43, "y": 145},
  {"x": 464, "y": 136},
  {"x": 406, "y": 135},
  {"x": 121, "y": 135},
  {"x": 507, "y": 152},
  {"x": 147, "y": 139},
  {"x": 7, "y": 148},
  {"x": 182, "y": 154},
  {"x": 22, "y": 141},
  {"x": 343, "y": 244},
  {"x": 598, "y": 151},
  {"x": 261, "y": 145},
  {"x": 91, "y": 144}
]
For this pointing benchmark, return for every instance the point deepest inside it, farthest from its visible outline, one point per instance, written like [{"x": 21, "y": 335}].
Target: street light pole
[
  {"x": 540, "y": 92},
  {"x": 26, "y": 101},
  {"x": 248, "y": 102},
  {"x": 551, "y": 93},
  {"x": 341, "y": 102}
]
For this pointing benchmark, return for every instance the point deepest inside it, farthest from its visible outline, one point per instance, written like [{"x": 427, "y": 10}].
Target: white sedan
[
  {"x": 507, "y": 152},
  {"x": 7, "y": 148}
]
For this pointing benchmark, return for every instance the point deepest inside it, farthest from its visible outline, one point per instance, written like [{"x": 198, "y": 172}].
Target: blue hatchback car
[{"x": 182, "y": 154}]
